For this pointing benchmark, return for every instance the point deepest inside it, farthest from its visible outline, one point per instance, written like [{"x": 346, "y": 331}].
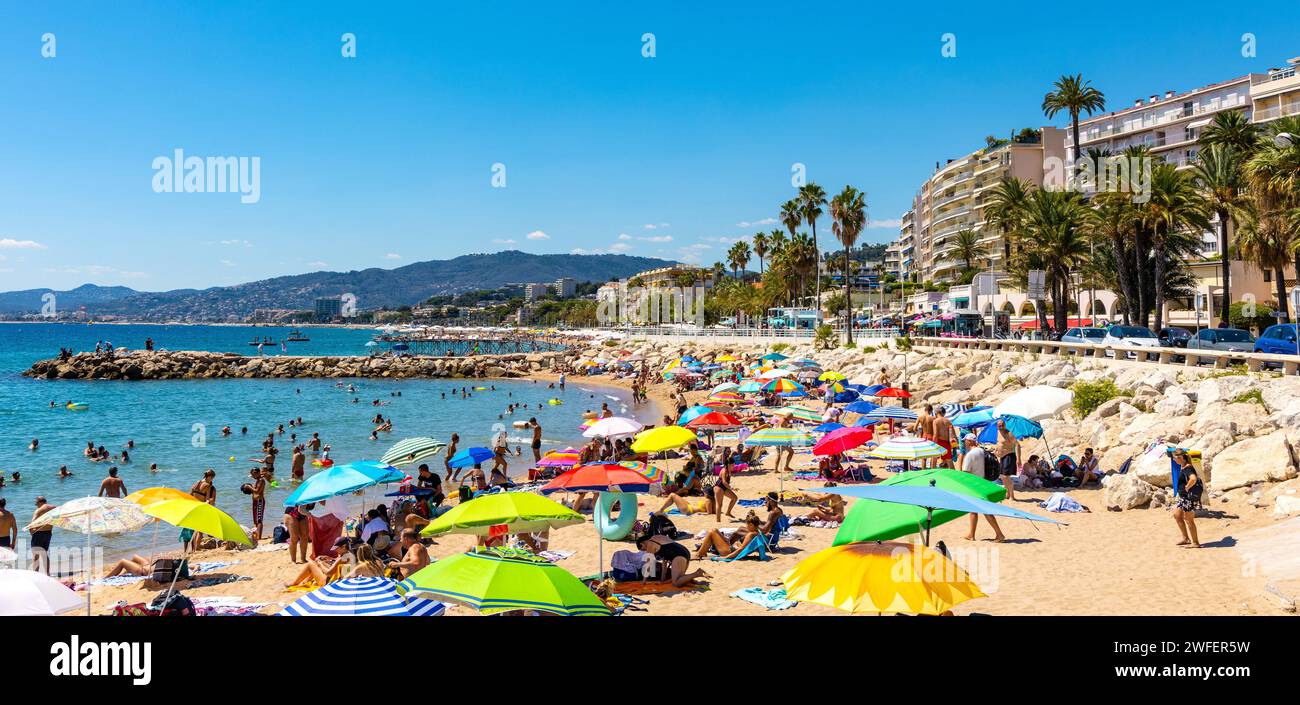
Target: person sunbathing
[
  {"x": 688, "y": 505},
  {"x": 826, "y": 507},
  {"x": 135, "y": 565},
  {"x": 729, "y": 546},
  {"x": 323, "y": 570}
]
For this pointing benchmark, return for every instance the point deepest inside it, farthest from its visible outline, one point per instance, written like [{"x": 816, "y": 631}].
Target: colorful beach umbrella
[
  {"x": 872, "y": 520},
  {"x": 410, "y": 451},
  {"x": 470, "y": 457},
  {"x": 28, "y": 593},
  {"x": 802, "y": 413},
  {"x": 519, "y": 512},
  {"x": 894, "y": 392},
  {"x": 833, "y": 387},
  {"x": 861, "y": 407},
  {"x": 724, "y": 387},
  {"x": 727, "y": 397},
  {"x": 789, "y": 437},
  {"x": 781, "y": 384},
  {"x": 598, "y": 477},
  {"x": 907, "y": 447},
  {"x": 149, "y": 495},
  {"x": 691, "y": 413},
  {"x": 493, "y": 580},
  {"x": 342, "y": 479},
  {"x": 842, "y": 440},
  {"x": 832, "y": 376},
  {"x": 201, "y": 517},
  {"x": 565, "y": 458},
  {"x": 750, "y": 386},
  {"x": 713, "y": 421},
  {"x": 828, "y": 427},
  {"x": 881, "y": 578},
  {"x": 726, "y": 358},
  {"x": 105, "y": 516},
  {"x": 931, "y": 498},
  {"x": 613, "y": 427},
  {"x": 896, "y": 413},
  {"x": 663, "y": 438},
  {"x": 362, "y": 597},
  {"x": 651, "y": 472}
]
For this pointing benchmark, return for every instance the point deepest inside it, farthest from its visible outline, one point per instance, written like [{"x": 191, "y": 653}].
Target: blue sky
[{"x": 386, "y": 158}]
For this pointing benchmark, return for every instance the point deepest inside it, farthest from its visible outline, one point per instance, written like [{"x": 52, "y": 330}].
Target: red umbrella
[
  {"x": 892, "y": 392},
  {"x": 713, "y": 421},
  {"x": 842, "y": 440},
  {"x": 599, "y": 477}
]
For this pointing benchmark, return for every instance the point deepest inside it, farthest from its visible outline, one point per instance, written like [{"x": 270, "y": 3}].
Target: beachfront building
[
  {"x": 533, "y": 292},
  {"x": 1277, "y": 93},
  {"x": 328, "y": 308},
  {"x": 565, "y": 287}
]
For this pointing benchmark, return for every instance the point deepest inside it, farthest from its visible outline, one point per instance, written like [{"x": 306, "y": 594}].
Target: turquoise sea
[{"x": 177, "y": 423}]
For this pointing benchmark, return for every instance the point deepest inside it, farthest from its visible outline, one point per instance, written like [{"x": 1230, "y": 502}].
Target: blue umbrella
[
  {"x": 796, "y": 394},
  {"x": 871, "y": 391},
  {"x": 1019, "y": 426},
  {"x": 845, "y": 396},
  {"x": 693, "y": 413},
  {"x": 343, "y": 479},
  {"x": 370, "y": 597},
  {"x": 861, "y": 407},
  {"x": 859, "y": 388},
  {"x": 973, "y": 417},
  {"x": 828, "y": 427},
  {"x": 470, "y": 456},
  {"x": 931, "y": 498},
  {"x": 750, "y": 386}
]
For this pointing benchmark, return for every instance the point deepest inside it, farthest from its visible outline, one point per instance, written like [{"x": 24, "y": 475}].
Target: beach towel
[
  {"x": 116, "y": 581},
  {"x": 324, "y": 532},
  {"x": 774, "y": 599},
  {"x": 210, "y": 566},
  {"x": 657, "y": 588},
  {"x": 555, "y": 556},
  {"x": 749, "y": 503},
  {"x": 1061, "y": 502}
]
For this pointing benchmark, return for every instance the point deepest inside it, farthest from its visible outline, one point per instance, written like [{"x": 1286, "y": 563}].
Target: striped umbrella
[
  {"x": 907, "y": 448},
  {"x": 782, "y": 384},
  {"x": 729, "y": 397},
  {"x": 951, "y": 410},
  {"x": 410, "y": 451},
  {"x": 724, "y": 387},
  {"x": 566, "y": 458},
  {"x": 369, "y": 597},
  {"x": 791, "y": 437},
  {"x": 802, "y": 413},
  {"x": 897, "y": 413},
  {"x": 651, "y": 472}
]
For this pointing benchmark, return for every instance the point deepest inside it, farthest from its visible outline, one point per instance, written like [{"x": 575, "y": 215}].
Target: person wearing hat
[{"x": 972, "y": 461}]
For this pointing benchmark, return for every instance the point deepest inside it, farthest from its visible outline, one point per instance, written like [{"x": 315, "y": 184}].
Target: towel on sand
[
  {"x": 1061, "y": 502},
  {"x": 774, "y": 599},
  {"x": 554, "y": 556},
  {"x": 656, "y": 588}
]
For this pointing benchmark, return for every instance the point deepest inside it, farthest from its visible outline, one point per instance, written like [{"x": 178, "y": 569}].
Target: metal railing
[
  {"x": 1254, "y": 362},
  {"x": 745, "y": 333}
]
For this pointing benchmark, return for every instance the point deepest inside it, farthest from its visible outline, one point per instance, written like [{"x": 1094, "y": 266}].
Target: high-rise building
[
  {"x": 566, "y": 287},
  {"x": 328, "y": 308}
]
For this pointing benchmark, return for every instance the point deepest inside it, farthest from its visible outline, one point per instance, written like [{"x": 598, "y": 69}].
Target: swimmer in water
[
  {"x": 35, "y": 444},
  {"x": 153, "y": 467},
  {"x": 64, "y": 472}
]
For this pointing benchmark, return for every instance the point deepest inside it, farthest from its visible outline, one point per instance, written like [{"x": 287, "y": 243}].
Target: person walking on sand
[
  {"x": 944, "y": 435},
  {"x": 41, "y": 536},
  {"x": 924, "y": 428},
  {"x": 1006, "y": 450},
  {"x": 258, "y": 496},
  {"x": 972, "y": 461},
  {"x": 112, "y": 486},
  {"x": 1189, "y": 494}
]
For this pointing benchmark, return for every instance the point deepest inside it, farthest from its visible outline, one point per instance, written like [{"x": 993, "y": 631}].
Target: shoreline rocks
[{"x": 189, "y": 364}]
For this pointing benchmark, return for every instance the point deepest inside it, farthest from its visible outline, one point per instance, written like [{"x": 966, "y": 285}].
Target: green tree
[
  {"x": 1175, "y": 207},
  {"x": 812, "y": 202},
  {"x": 1231, "y": 129},
  {"x": 1073, "y": 95},
  {"x": 968, "y": 248},
  {"x": 1218, "y": 173},
  {"x": 848, "y": 218},
  {"x": 760, "y": 249}
]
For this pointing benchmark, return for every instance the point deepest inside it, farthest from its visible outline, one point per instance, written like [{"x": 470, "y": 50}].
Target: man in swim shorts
[
  {"x": 537, "y": 439},
  {"x": 41, "y": 537},
  {"x": 8, "y": 527}
]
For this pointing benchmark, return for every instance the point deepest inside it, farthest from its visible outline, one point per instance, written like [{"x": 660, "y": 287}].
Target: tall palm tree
[
  {"x": 738, "y": 257},
  {"x": 1051, "y": 237},
  {"x": 777, "y": 242},
  {"x": 1175, "y": 206},
  {"x": 968, "y": 248},
  {"x": 1111, "y": 221},
  {"x": 1263, "y": 240},
  {"x": 760, "y": 249},
  {"x": 1005, "y": 209},
  {"x": 1274, "y": 175},
  {"x": 1073, "y": 95},
  {"x": 1231, "y": 128},
  {"x": 1218, "y": 172},
  {"x": 812, "y": 201},
  {"x": 848, "y": 218},
  {"x": 791, "y": 215}
]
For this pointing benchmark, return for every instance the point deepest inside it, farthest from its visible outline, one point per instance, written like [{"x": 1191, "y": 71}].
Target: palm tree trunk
[
  {"x": 1142, "y": 306},
  {"x": 1159, "y": 255},
  {"x": 1225, "y": 263},
  {"x": 848, "y": 298},
  {"x": 1078, "y": 148},
  {"x": 1279, "y": 278},
  {"x": 1121, "y": 272}
]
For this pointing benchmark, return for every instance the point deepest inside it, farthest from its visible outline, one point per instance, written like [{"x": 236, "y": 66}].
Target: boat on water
[
  {"x": 296, "y": 336},
  {"x": 267, "y": 340}
]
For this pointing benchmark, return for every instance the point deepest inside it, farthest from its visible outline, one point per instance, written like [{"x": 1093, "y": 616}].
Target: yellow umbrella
[
  {"x": 725, "y": 358},
  {"x": 831, "y": 377},
  {"x": 199, "y": 516},
  {"x": 880, "y": 577},
  {"x": 663, "y": 438},
  {"x": 153, "y": 495}
]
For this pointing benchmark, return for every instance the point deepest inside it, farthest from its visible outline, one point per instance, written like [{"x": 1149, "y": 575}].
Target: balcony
[
  {"x": 1087, "y": 135},
  {"x": 1277, "y": 111}
]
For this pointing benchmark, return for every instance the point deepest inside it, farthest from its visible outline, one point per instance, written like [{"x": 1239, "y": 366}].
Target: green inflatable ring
[{"x": 614, "y": 529}]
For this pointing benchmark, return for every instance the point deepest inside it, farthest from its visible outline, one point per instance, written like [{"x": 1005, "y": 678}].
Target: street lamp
[{"x": 1286, "y": 139}]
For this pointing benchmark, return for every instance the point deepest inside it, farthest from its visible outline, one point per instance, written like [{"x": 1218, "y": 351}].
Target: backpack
[
  {"x": 177, "y": 605},
  {"x": 279, "y": 534},
  {"x": 661, "y": 524},
  {"x": 992, "y": 468},
  {"x": 168, "y": 570}
]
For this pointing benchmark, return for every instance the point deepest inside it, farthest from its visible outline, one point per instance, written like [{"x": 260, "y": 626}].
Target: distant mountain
[{"x": 374, "y": 288}]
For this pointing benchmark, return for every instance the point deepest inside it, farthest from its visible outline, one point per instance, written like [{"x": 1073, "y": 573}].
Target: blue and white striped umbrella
[
  {"x": 951, "y": 410},
  {"x": 369, "y": 597},
  {"x": 897, "y": 413}
]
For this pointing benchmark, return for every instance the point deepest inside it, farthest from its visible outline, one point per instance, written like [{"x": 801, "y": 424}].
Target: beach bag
[
  {"x": 177, "y": 605},
  {"x": 466, "y": 493},
  {"x": 167, "y": 570},
  {"x": 992, "y": 468},
  {"x": 660, "y": 524}
]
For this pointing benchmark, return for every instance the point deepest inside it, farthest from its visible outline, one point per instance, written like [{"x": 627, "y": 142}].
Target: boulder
[
  {"x": 966, "y": 381},
  {"x": 1107, "y": 409},
  {"x": 1153, "y": 468},
  {"x": 1286, "y": 505},
  {"x": 1175, "y": 404},
  {"x": 1114, "y": 458},
  {"x": 1269, "y": 458},
  {"x": 1126, "y": 491}
]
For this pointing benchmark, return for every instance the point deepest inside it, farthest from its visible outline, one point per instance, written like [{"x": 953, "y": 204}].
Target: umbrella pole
[
  {"x": 88, "y": 564},
  {"x": 929, "y": 522},
  {"x": 600, "y": 545}
]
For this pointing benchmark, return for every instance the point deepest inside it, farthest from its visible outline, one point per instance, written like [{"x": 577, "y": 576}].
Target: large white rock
[
  {"x": 966, "y": 381},
  {"x": 1280, "y": 393},
  {"x": 1112, "y": 459},
  {"x": 1175, "y": 404},
  {"x": 1268, "y": 458},
  {"x": 1153, "y": 468},
  {"x": 1224, "y": 389},
  {"x": 1211, "y": 444},
  {"x": 1285, "y": 505},
  {"x": 1126, "y": 491}
]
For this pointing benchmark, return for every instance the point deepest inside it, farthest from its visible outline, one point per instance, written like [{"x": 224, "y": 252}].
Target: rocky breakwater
[{"x": 184, "y": 364}]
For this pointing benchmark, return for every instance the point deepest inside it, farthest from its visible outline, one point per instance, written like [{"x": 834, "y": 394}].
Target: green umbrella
[
  {"x": 873, "y": 520},
  {"x": 493, "y": 580},
  {"x": 520, "y": 512}
]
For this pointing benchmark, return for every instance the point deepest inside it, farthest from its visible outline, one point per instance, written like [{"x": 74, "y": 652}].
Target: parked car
[
  {"x": 1174, "y": 337},
  {"x": 1084, "y": 335},
  {"x": 1130, "y": 337},
  {"x": 1226, "y": 339},
  {"x": 1277, "y": 339}
]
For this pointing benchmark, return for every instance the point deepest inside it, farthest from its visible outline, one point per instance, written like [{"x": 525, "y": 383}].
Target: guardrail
[{"x": 1254, "y": 362}]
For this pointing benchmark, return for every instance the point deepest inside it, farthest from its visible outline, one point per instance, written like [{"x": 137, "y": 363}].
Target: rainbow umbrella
[
  {"x": 792, "y": 437},
  {"x": 566, "y": 458},
  {"x": 599, "y": 477},
  {"x": 835, "y": 387},
  {"x": 802, "y": 413},
  {"x": 651, "y": 472},
  {"x": 781, "y": 385},
  {"x": 880, "y": 578},
  {"x": 729, "y": 397}
]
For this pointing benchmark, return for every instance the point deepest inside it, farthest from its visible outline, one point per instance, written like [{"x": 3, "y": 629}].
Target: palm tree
[
  {"x": 968, "y": 248},
  {"x": 1263, "y": 240},
  {"x": 760, "y": 249},
  {"x": 791, "y": 215},
  {"x": 738, "y": 257},
  {"x": 1218, "y": 172},
  {"x": 1175, "y": 206},
  {"x": 1051, "y": 237},
  {"x": 1005, "y": 209},
  {"x": 848, "y": 217},
  {"x": 1111, "y": 221},
  {"x": 777, "y": 242},
  {"x": 1073, "y": 95},
  {"x": 812, "y": 198},
  {"x": 1273, "y": 172},
  {"x": 1231, "y": 129}
]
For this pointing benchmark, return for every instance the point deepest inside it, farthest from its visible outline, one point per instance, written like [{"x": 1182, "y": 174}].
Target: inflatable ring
[
  {"x": 520, "y": 424},
  {"x": 322, "y": 463},
  {"x": 614, "y": 529},
  {"x": 78, "y": 406},
  {"x": 555, "y": 402}
]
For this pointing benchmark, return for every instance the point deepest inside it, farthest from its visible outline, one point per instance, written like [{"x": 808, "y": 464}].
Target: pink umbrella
[{"x": 842, "y": 440}]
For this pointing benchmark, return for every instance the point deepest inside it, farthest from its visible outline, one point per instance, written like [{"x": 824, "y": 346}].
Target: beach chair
[{"x": 760, "y": 545}]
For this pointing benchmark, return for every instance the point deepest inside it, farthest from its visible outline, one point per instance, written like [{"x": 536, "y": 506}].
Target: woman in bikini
[
  {"x": 295, "y": 520},
  {"x": 203, "y": 491},
  {"x": 729, "y": 547},
  {"x": 722, "y": 487},
  {"x": 688, "y": 505}
]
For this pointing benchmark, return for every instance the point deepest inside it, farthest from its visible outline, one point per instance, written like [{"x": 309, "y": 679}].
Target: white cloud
[
  {"x": 887, "y": 223},
  {"x": 228, "y": 263},
  {"x": 620, "y": 247},
  {"x": 699, "y": 246},
  {"x": 392, "y": 255},
  {"x": 657, "y": 238},
  {"x": 236, "y": 243},
  {"x": 318, "y": 264},
  {"x": 12, "y": 244},
  {"x": 655, "y": 226},
  {"x": 504, "y": 242},
  {"x": 537, "y": 235},
  {"x": 749, "y": 224},
  {"x": 624, "y": 236}
]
